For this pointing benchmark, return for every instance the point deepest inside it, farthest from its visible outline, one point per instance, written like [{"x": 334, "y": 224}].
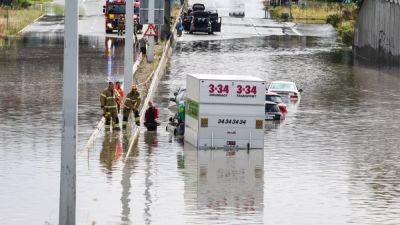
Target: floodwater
[{"x": 333, "y": 160}]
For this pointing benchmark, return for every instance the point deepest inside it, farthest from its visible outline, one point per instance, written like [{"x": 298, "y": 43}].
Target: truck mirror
[
  {"x": 175, "y": 93},
  {"x": 172, "y": 99},
  {"x": 171, "y": 120}
]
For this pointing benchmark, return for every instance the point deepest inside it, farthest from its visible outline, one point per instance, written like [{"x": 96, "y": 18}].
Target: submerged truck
[
  {"x": 198, "y": 19},
  {"x": 224, "y": 111}
]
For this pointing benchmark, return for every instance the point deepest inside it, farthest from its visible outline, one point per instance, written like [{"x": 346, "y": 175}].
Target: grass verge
[
  {"x": 145, "y": 70},
  {"x": 13, "y": 20},
  {"x": 339, "y": 15}
]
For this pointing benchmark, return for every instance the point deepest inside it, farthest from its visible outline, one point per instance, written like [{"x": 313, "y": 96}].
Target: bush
[
  {"x": 333, "y": 19},
  {"x": 346, "y": 32}
]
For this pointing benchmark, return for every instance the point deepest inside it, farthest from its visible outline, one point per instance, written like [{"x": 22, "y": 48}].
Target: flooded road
[{"x": 334, "y": 160}]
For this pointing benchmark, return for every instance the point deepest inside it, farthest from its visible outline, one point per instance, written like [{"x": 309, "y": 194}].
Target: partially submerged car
[
  {"x": 197, "y": 19},
  {"x": 285, "y": 88},
  {"x": 274, "y": 97},
  {"x": 179, "y": 96},
  {"x": 176, "y": 123},
  {"x": 201, "y": 22},
  {"x": 272, "y": 111},
  {"x": 237, "y": 10}
]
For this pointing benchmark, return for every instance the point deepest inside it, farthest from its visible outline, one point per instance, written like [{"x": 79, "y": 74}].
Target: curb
[
  {"x": 23, "y": 29},
  {"x": 157, "y": 74}
]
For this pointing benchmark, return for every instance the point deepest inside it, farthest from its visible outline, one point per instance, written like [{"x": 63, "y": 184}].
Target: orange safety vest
[{"x": 120, "y": 95}]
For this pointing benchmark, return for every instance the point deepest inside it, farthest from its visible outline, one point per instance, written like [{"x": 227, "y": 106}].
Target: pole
[
  {"x": 70, "y": 110},
  {"x": 128, "y": 59},
  {"x": 8, "y": 15},
  {"x": 150, "y": 51}
]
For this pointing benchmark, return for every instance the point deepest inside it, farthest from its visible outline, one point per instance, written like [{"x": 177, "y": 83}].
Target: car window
[
  {"x": 273, "y": 98},
  {"x": 116, "y": 9},
  {"x": 282, "y": 86},
  {"x": 271, "y": 108}
]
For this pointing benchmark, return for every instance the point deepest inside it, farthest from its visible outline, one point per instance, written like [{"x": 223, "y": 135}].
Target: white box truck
[{"x": 225, "y": 111}]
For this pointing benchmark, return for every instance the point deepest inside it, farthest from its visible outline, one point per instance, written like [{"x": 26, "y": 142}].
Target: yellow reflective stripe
[{"x": 105, "y": 96}]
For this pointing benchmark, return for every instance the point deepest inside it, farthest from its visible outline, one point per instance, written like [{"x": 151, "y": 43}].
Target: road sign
[
  {"x": 151, "y": 31},
  {"x": 158, "y": 12}
]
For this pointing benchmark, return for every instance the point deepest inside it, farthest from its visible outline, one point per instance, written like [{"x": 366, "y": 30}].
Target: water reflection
[
  {"x": 127, "y": 172},
  {"x": 150, "y": 138},
  {"x": 221, "y": 183},
  {"x": 111, "y": 151}
]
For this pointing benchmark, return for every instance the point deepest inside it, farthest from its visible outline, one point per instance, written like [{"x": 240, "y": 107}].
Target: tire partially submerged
[{"x": 237, "y": 14}]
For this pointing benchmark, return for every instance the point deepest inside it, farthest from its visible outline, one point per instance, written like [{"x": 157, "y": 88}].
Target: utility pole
[
  {"x": 8, "y": 15},
  {"x": 150, "y": 51},
  {"x": 70, "y": 115},
  {"x": 128, "y": 59}
]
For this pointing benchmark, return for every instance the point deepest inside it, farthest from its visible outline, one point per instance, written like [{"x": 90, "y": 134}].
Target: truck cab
[{"x": 114, "y": 11}]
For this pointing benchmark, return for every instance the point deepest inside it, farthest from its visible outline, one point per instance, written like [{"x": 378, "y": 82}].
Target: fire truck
[{"x": 114, "y": 11}]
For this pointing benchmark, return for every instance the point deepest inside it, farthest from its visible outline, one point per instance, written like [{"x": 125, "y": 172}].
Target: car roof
[
  {"x": 283, "y": 82},
  {"x": 271, "y": 93},
  {"x": 270, "y": 103},
  {"x": 225, "y": 77}
]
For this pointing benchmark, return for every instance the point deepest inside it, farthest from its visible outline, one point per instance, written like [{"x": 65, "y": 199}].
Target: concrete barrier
[
  {"x": 156, "y": 76},
  {"x": 377, "y": 32}
]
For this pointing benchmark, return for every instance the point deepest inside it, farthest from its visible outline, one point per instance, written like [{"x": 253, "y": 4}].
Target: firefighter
[
  {"x": 120, "y": 94},
  {"x": 151, "y": 117},
  {"x": 132, "y": 103},
  {"x": 109, "y": 105},
  {"x": 121, "y": 26}
]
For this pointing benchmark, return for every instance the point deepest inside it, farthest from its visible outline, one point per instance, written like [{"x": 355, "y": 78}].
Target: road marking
[
  {"x": 23, "y": 29},
  {"x": 254, "y": 26},
  {"x": 296, "y": 31},
  {"x": 293, "y": 29},
  {"x": 55, "y": 28}
]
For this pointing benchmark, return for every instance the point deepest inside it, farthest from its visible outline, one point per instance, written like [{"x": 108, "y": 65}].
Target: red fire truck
[{"x": 114, "y": 10}]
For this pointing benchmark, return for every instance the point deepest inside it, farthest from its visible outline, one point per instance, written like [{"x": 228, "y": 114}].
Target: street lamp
[{"x": 70, "y": 116}]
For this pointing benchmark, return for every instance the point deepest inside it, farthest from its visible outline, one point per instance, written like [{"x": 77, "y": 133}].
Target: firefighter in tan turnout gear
[
  {"x": 108, "y": 100},
  {"x": 132, "y": 103}
]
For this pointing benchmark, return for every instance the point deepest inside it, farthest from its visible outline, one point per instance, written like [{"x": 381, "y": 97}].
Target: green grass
[
  {"x": 14, "y": 20},
  {"x": 341, "y": 16},
  {"x": 59, "y": 10}
]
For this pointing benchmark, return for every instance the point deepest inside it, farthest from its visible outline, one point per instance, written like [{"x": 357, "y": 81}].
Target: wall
[{"x": 377, "y": 32}]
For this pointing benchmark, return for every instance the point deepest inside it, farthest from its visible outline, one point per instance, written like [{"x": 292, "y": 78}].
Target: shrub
[
  {"x": 346, "y": 32},
  {"x": 333, "y": 19}
]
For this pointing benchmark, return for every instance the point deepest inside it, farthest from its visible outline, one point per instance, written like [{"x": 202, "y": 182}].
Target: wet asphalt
[{"x": 333, "y": 160}]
